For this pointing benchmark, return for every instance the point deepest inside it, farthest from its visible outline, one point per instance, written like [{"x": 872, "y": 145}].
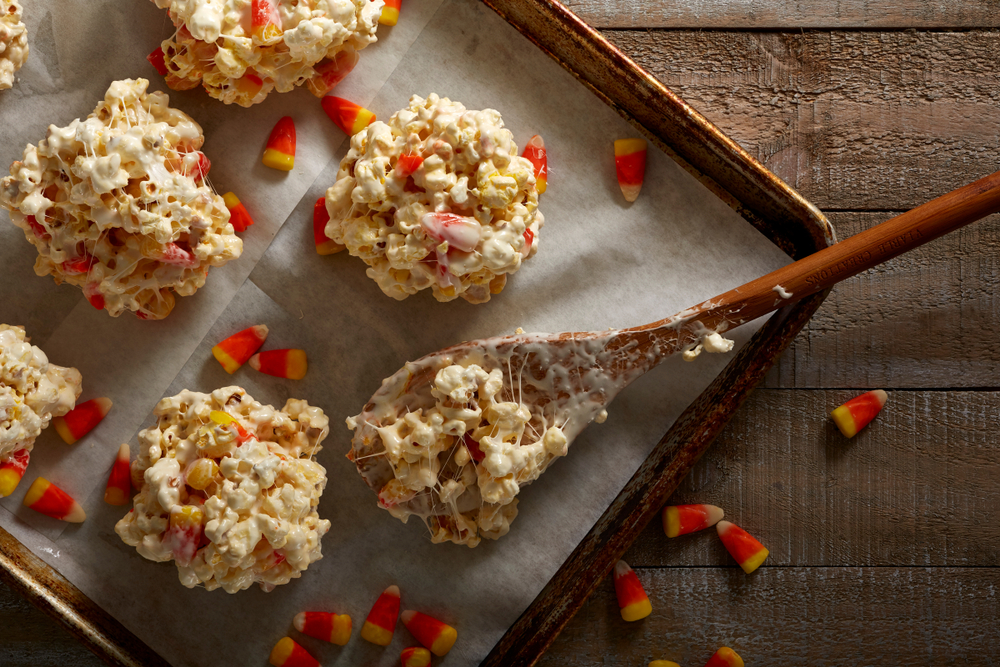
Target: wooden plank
[
  {"x": 921, "y": 320},
  {"x": 919, "y": 486},
  {"x": 863, "y": 120},
  {"x": 795, "y": 616},
  {"x": 29, "y": 638},
  {"x": 753, "y": 14}
]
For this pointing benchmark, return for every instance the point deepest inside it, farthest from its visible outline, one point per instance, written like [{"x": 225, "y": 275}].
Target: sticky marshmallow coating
[
  {"x": 119, "y": 205},
  {"x": 459, "y": 224},
  {"x": 13, "y": 42},
  {"x": 460, "y": 464},
  {"x": 32, "y": 391},
  {"x": 215, "y": 45},
  {"x": 256, "y": 497}
]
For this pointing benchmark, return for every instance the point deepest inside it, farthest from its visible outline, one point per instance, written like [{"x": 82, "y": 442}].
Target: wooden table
[{"x": 885, "y": 549}]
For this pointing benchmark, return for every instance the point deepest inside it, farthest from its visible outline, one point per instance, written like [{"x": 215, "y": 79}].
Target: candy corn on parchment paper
[{"x": 602, "y": 263}]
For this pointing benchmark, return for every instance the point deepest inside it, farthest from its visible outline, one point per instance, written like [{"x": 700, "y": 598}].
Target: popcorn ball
[
  {"x": 32, "y": 391},
  {"x": 118, "y": 204},
  {"x": 13, "y": 42},
  {"x": 436, "y": 198},
  {"x": 241, "y": 50},
  {"x": 229, "y": 489},
  {"x": 460, "y": 463}
]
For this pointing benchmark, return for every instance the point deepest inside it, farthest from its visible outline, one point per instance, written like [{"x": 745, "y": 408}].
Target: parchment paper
[{"x": 601, "y": 263}]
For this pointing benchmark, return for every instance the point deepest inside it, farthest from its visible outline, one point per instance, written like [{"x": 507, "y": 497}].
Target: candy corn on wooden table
[{"x": 884, "y": 549}]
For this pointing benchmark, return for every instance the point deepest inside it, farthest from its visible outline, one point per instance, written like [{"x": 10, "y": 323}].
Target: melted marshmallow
[
  {"x": 459, "y": 224},
  {"x": 13, "y": 42}
]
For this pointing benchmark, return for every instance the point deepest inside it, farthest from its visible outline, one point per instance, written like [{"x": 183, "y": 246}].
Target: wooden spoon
[{"x": 567, "y": 379}]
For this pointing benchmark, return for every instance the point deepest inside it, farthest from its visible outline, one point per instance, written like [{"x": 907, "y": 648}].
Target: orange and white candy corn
[
  {"x": 265, "y": 21},
  {"x": 684, "y": 519},
  {"x": 82, "y": 419},
  {"x": 280, "y": 151},
  {"x": 286, "y": 653},
  {"x": 184, "y": 532},
  {"x": 630, "y": 164},
  {"x": 12, "y": 470},
  {"x": 289, "y": 364},
  {"x": 535, "y": 153},
  {"x": 747, "y": 551},
  {"x": 663, "y": 663},
  {"x": 119, "y": 489},
  {"x": 415, "y": 656},
  {"x": 408, "y": 163},
  {"x": 437, "y": 636},
  {"x": 390, "y": 13},
  {"x": 725, "y": 657},
  {"x": 324, "y": 244},
  {"x": 348, "y": 116},
  {"x": 45, "y": 497},
  {"x": 332, "y": 72},
  {"x": 225, "y": 419},
  {"x": 854, "y": 415},
  {"x": 156, "y": 59},
  {"x": 381, "y": 621},
  {"x": 239, "y": 217},
  {"x": 238, "y": 348},
  {"x": 632, "y": 598},
  {"x": 333, "y": 628}
]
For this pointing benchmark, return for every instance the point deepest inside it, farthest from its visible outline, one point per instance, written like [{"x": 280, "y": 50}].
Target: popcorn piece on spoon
[
  {"x": 856, "y": 413},
  {"x": 348, "y": 116},
  {"x": 535, "y": 153},
  {"x": 381, "y": 621},
  {"x": 290, "y": 364},
  {"x": 238, "y": 348},
  {"x": 632, "y": 598},
  {"x": 333, "y": 628},
  {"x": 390, "y": 13},
  {"x": 725, "y": 657},
  {"x": 119, "y": 489},
  {"x": 12, "y": 470},
  {"x": 415, "y": 656},
  {"x": 280, "y": 151},
  {"x": 239, "y": 217},
  {"x": 287, "y": 653},
  {"x": 630, "y": 165},
  {"x": 684, "y": 519},
  {"x": 82, "y": 419},
  {"x": 747, "y": 551},
  {"x": 324, "y": 244},
  {"x": 437, "y": 636},
  {"x": 45, "y": 497}
]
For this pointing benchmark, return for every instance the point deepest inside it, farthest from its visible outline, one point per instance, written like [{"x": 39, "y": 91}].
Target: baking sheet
[{"x": 601, "y": 263}]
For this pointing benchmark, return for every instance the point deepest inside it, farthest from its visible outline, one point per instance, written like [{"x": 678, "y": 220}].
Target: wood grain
[
  {"x": 756, "y": 15},
  {"x": 924, "y": 319},
  {"x": 862, "y": 120},
  {"x": 795, "y": 616}
]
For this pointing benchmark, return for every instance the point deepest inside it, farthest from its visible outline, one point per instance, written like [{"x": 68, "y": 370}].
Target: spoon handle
[{"x": 829, "y": 266}]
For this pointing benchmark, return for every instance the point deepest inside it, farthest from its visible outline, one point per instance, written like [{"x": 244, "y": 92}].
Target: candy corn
[
  {"x": 632, "y": 599},
  {"x": 390, "y": 13},
  {"x": 265, "y": 21},
  {"x": 156, "y": 60},
  {"x": 415, "y": 656},
  {"x": 333, "y": 628},
  {"x": 684, "y": 519},
  {"x": 239, "y": 218},
  {"x": 184, "y": 532},
  {"x": 725, "y": 657},
  {"x": 324, "y": 244},
  {"x": 381, "y": 621},
  {"x": 225, "y": 419},
  {"x": 12, "y": 470},
  {"x": 663, "y": 663},
  {"x": 280, "y": 151},
  {"x": 854, "y": 415},
  {"x": 332, "y": 72},
  {"x": 534, "y": 151},
  {"x": 82, "y": 419},
  {"x": 408, "y": 163},
  {"x": 348, "y": 116},
  {"x": 437, "y": 636},
  {"x": 747, "y": 551},
  {"x": 286, "y": 653},
  {"x": 119, "y": 488},
  {"x": 289, "y": 364},
  {"x": 238, "y": 348},
  {"x": 630, "y": 163},
  {"x": 45, "y": 497}
]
